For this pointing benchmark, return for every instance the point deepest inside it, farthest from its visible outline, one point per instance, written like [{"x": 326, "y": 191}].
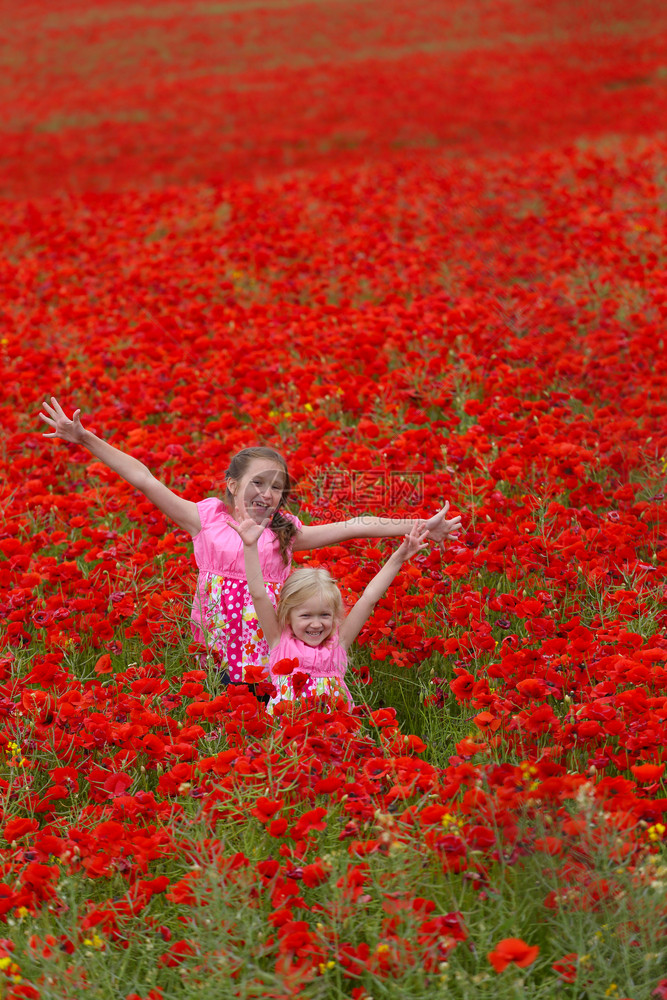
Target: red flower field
[{"x": 420, "y": 248}]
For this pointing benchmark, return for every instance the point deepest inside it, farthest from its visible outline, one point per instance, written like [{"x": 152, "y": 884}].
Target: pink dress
[
  {"x": 223, "y": 616},
  {"x": 324, "y": 666}
]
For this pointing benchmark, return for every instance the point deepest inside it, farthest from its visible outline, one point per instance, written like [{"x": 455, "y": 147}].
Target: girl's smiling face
[
  {"x": 313, "y": 621},
  {"x": 260, "y": 488}
]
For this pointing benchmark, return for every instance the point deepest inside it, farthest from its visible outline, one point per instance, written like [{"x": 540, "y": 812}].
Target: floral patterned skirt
[{"x": 231, "y": 629}]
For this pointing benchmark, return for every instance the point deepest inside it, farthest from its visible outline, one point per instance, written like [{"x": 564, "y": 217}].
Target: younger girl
[
  {"x": 257, "y": 482},
  {"x": 308, "y": 623}
]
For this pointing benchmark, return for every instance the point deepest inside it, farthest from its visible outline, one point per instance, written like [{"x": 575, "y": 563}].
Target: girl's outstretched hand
[
  {"x": 412, "y": 543},
  {"x": 439, "y": 527},
  {"x": 63, "y": 427},
  {"x": 247, "y": 528}
]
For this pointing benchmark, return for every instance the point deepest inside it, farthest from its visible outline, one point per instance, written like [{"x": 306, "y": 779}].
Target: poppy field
[{"x": 419, "y": 248}]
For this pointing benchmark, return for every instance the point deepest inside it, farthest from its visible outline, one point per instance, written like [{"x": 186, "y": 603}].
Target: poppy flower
[
  {"x": 177, "y": 953},
  {"x": 299, "y": 682},
  {"x": 487, "y": 721},
  {"x": 648, "y": 772},
  {"x": 463, "y": 685},
  {"x": 265, "y": 809},
  {"x": 277, "y": 827},
  {"x": 566, "y": 967},
  {"x": 468, "y": 748},
  {"x": 312, "y": 819},
  {"x": 315, "y": 874},
  {"x": 255, "y": 674},
  {"x": 283, "y": 668},
  {"x": 512, "y": 951},
  {"x": 117, "y": 783},
  {"x": 19, "y": 827}
]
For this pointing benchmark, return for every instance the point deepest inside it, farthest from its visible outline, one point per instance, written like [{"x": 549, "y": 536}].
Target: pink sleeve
[
  {"x": 216, "y": 548},
  {"x": 210, "y": 510},
  {"x": 294, "y": 519}
]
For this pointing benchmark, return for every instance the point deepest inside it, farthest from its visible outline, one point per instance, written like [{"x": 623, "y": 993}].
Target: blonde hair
[{"x": 304, "y": 583}]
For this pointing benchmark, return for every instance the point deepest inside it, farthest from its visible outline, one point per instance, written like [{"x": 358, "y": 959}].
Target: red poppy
[
  {"x": 117, "y": 783},
  {"x": 312, "y": 819},
  {"x": 487, "y": 721},
  {"x": 512, "y": 951},
  {"x": 315, "y": 874},
  {"x": 265, "y": 809},
  {"x": 285, "y": 667},
  {"x": 19, "y": 827},
  {"x": 468, "y": 748},
  {"x": 566, "y": 967},
  {"x": 255, "y": 674},
  {"x": 648, "y": 772},
  {"x": 277, "y": 827},
  {"x": 463, "y": 685},
  {"x": 177, "y": 953},
  {"x": 299, "y": 682}
]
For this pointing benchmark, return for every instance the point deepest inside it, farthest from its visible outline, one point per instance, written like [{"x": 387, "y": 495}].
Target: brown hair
[
  {"x": 304, "y": 583},
  {"x": 282, "y": 527}
]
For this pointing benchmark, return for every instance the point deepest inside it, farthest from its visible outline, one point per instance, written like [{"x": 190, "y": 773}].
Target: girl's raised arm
[
  {"x": 250, "y": 532},
  {"x": 134, "y": 472},
  {"x": 362, "y": 610},
  {"x": 438, "y": 527}
]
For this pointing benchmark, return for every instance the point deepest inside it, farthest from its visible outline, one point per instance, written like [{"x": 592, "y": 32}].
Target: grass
[{"x": 228, "y": 924}]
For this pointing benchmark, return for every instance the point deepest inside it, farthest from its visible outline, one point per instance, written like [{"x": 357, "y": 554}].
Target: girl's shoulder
[
  {"x": 213, "y": 511},
  {"x": 286, "y": 647},
  {"x": 292, "y": 517}
]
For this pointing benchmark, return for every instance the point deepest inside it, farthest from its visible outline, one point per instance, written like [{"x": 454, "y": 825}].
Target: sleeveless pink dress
[
  {"x": 324, "y": 666},
  {"x": 223, "y": 616}
]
